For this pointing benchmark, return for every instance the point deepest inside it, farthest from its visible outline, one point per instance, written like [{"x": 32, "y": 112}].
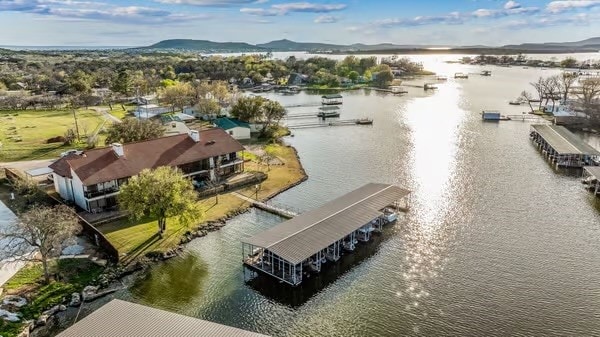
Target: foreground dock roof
[
  {"x": 124, "y": 319},
  {"x": 564, "y": 141},
  {"x": 301, "y": 237}
]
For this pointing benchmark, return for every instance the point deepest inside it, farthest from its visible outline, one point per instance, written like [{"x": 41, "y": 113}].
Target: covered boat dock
[
  {"x": 591, "y": 178},
  {"x": 336, "y": 99},
  {"x": 562, "y": 147},
  {"x": 303, "y": 244}
]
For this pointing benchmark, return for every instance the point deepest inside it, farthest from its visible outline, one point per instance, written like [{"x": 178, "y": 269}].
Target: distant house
[
  {"x": 92, "y": 179},
  {"x": 175, "y": 128},
  {"x": 235, "y": 128},
  {"x": 150, "y": 111},
  {"x": 297, "y": 79}
]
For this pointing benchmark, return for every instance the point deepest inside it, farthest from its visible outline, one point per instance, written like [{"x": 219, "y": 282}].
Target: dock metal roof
[
  {"x": 298, "y": 239},
  {"x": 564, "y": 141},
  {"x": 124, "y": 319},
  {"x": 593, "y": 170}
]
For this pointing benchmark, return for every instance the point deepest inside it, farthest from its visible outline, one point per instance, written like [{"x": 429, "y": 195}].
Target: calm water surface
[{"x": 497, "y": 243}]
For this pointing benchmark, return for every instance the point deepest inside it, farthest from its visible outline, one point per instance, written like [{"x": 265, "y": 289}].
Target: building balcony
[
  {"x": 235, "y": 161},
  {"x": 102, "y": 193}
]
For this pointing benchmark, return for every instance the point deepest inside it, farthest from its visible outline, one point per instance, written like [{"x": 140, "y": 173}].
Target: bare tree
[
  {"x": 39, "y": 234},
  {"x": 539, "y": 87},
  {"x": 589, "y": 94},
  {"x": 567, "y": 79},
  {"x": 552, "y": 89},
  {"x": 527, "y": 97}
]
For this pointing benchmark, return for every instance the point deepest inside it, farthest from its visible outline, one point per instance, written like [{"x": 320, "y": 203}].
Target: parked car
[{"x": 73, "y": 151}]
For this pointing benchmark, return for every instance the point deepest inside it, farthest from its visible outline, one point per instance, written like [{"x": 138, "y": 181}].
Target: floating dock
[
  {"x": 591, "y": 178},
  {"x": 562, "y": 147},
  {"x": 292, "y": 249},
  {"x": 344, "y": 122}
]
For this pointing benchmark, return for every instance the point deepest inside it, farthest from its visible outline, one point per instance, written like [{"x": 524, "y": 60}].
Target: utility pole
[{"x": 76, "y": 125}]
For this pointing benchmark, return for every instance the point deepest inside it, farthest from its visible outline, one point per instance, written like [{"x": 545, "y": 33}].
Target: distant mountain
[
  {"x": 204, "y": 45},
  {"x": 287, "y": 45},
  {"x": 589, "y": 45},
  {"x": 592, "y": 44}
]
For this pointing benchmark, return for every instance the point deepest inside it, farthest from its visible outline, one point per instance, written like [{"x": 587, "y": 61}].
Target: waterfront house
[
  {"x": 119, "y": 318},
  {"x": 234, "y": 127},
  {"x": 297, "y": 79},
  {"x": 92, "y": 179}
]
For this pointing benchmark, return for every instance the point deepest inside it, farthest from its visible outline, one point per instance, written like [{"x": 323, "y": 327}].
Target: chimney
[
  {"x": 118, "y": 148},
  {"x": 195, "y": 135}
]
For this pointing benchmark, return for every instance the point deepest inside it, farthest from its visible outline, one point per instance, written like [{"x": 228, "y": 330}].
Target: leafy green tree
[
  {"x": 133, "y": 130},
  {"x": 248, "y": 109},
  {"x": 207, "y": 107},
  {"x": 80, "y": 82},
  {"x": 178, "y": 95},
  {"x": 569, "y": 62},
  {"x": 273, "y": 112},
  {"x": 353, "y": 76},
  {"x": 42, "y": 229},
  {"x": 259, "y": 110},
  {"x": 160, "y": 193},
  {"x": 383, "y": 76},
  {"x": 122, "y": 84}
]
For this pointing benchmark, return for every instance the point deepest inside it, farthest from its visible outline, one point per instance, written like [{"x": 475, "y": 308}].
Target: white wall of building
[
  {"x": 78, "y": 196},
  {"x": 239, "y": 133}
]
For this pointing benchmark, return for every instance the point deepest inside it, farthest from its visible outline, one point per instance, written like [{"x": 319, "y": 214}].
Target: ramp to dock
[{"x": 277, "y": 210}]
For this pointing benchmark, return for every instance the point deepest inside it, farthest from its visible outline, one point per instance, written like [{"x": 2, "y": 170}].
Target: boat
[
  {"x": 389, "y": 215},
  {"x": 329, "y": 111},
  {"x": 290, "y": 90},
  {"x": 429, "y": 86},
  {"x": 517, "y": 101},
  {"x": 364, "y": 121},
  {"x": 461, "y": 75},
  {"x": 442, "y": 78},
  {"x": 486, "y": 73},
  {"x": 336, "y": 99},
  {"x": 493, "y": 116}
]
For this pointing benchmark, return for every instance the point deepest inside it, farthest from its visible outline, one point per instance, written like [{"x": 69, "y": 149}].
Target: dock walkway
[{"x": 277, "y": 210}]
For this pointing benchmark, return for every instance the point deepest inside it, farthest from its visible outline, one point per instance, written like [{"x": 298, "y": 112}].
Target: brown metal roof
[
  {"x": 301, "y": 237},
  {"x": 101, "y": 165},
  {"x": 124, "y": 319},
  {"x": 564, "y": 141}
]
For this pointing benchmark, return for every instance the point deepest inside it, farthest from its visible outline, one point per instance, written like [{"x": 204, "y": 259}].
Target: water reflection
[{"x": 173, "y": 284}]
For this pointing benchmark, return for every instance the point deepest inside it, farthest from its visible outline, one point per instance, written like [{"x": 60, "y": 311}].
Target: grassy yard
[
  {"x": 135, "y": 238},
  {"x": 69, "y": 275},
  {"x": 117, "y": 111},
  {"x": 24, "y": 133}
]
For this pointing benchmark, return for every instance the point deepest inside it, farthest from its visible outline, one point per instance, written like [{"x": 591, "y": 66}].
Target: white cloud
[
  {"x": 294, "y": 7},
  {"x": 215, "y": 3},
  {"x": 512, "y": 5},
  {"x": 326, "y": 19},
  {"x": 561, "y": 6},
  {"x": 89, "y": 10}
]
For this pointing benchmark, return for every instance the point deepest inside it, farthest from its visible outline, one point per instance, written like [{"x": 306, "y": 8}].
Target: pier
[
  {"x": 305, "y": 243},
  {"x": 342, "y": 122},
  {"x": 562, "y": 147},
  {"x": 283, "y": 212}
]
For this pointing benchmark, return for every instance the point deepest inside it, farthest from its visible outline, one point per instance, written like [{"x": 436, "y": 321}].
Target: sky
[{"x": 425, "y": 22}]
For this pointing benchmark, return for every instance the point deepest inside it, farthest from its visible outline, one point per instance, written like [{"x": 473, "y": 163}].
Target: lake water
[{"x": 497, "y": 242}]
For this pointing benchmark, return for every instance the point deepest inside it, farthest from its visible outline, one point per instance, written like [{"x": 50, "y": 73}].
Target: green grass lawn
[
  {"x": 117, "y": 111},
  {"x": 135, "y": 238},
  {"x": 23, "y": 133},
  {"x": 69, "y": 275}
]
